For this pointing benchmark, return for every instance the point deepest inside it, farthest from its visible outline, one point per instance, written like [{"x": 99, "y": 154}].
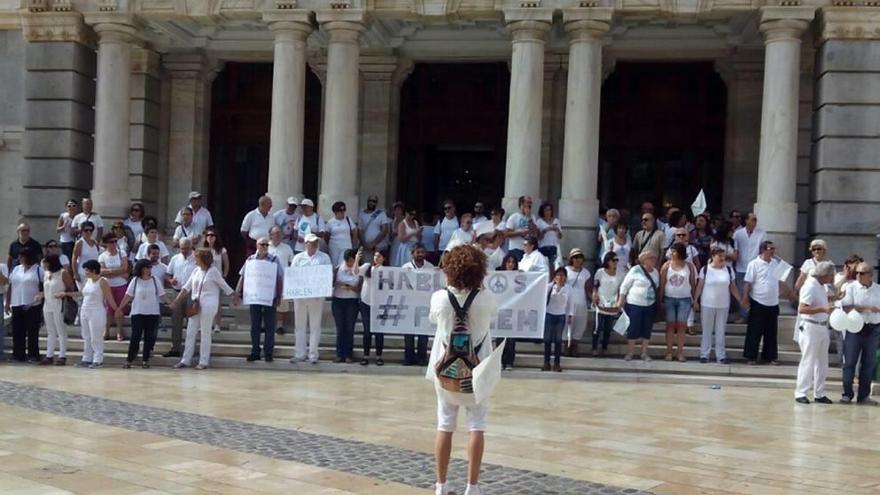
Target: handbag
[
  {"x": 195, "y": 307},
  {"x": 69, "y": 309}
]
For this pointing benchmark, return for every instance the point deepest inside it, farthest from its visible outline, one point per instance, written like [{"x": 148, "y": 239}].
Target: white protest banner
[
  {"x": 260, "y": 277},
  {"x": 402, "y": 300},
  {"x": 302, "y": 282}
]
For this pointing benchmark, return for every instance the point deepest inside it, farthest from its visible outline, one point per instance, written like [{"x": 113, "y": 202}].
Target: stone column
[
  {"x": 291, "y": 29},
  {"x": 522, "y": 175},
  {"x": 777, "y": 160},
  {"x": 339, "y": 156},
  {"x": 112, "y": 113},
  {"x": 579, "y": 205},
  {"x": 145, "y": 124}
]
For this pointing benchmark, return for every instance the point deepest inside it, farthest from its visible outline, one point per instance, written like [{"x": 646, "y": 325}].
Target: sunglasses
[
  {"x": 263, "y": 244},
  {"x": 51, "y": 246},
  {"x": 680, "y": 235},
  {"x": 817, "y": 249},
  {"x": 210, "y": 235}
]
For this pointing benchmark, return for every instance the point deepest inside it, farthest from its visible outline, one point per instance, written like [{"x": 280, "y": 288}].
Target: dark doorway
[
  {"x": 241, "y": 114},
  {"x": 453, "y": 135},
  {"x": 662, "y": 135}
]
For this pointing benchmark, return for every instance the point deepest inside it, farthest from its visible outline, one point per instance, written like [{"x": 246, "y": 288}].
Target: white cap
[
  {"x": 484, "y": 228},
  {"x": 307, "y": 202},
  {"x": 195, "y": 194},
  {"x": 311, "y": 238},
  {"x": 292, "y": 200}
]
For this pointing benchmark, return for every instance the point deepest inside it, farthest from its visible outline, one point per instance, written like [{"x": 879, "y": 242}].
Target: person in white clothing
[
  {"x": 373, "y": 227},
  {"x": 559, "y": 313},
  {"x": 87, "y": 215},
  {"x": 365, "y": 270},
  {"x": 445, "y": 227},
  {"x": 416, "y": 353},
  {"x": 284, "y": 253},
  {"x": 115, "y": 269},
  {"x": 715, "y": 287},
  {"x": 462, "y": 236},
  {"x": 308, "y": 223},
  {"x": 677, "y": 283},
  {"x": 638, "y": 297},
  {"x": 532, "y": 260},
  {"x": 214, "y": 242},
  {"x": 286, "y": 219},
  {"x": 578, "y": 280},
  {"x": 621, "y": 245},
  {"x": 692, "y": 255},
  {"x": 814, "y": 340},
  {"x": 188, "y": 228},
  {"x": 152, "y": 234},
  {"x": 92, "y": 313},
  {"x": 487, "y": 239},
  {"x": 520, "y": 225},
  {"x": 64, "y": 227},
  {"x": 345, "y": 305},
  {"x": 56, "y": 281},
  {"x": 465, "y": 269},
  {"x": 307, "y": 312},
  {"x": 52, "y": 247},
  {"x": 180, "y": 269},
  {"x": 608, "y": 231},
  {"x": 606, "y": 287},
  {"x": 201, "y": 216},
  {"x": 760, "y": 297},
  {"x": 819, "y": 250},
  {"x": 479, "y": 215},
  {"x": 203, "y": 289},
  {"x": 257, "y": 223},
  {"x": 409, "y": 233},
  {"x": 549, "y": 233},
  {"x": 747, "y": 242},
  {"x": 145, "y": 295},
  {"x": 134, "y": 223},
  {"x": 341, "y": 233},
  {"x": 863, "y": 296},
  {"x": 85, "y": 249}
]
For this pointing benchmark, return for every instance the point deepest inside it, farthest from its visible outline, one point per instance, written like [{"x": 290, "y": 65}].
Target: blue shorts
[
  {"x": 677, "y": 309},
  {"x": 641, "y": 321}
]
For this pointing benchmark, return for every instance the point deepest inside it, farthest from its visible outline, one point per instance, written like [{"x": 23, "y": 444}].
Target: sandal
[
  {"x": 668, "y": 357},
  {"x": 628, "y": 357}
]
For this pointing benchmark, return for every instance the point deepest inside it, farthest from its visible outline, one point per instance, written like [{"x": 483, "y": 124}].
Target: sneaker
[
  {"x": 201, "y": 366},
  {"x": 441, "y": 489},
  {"x": 145, "y": 365},
  {"x": 171, "y": 354},
  {"x": 823, "y": 400},
  {"x": 365, "y": 362},
  {"x": 95, "y": 366},
  {"x": 313, "y": 361},
  {"x": 867, "y": 402},
  {"x": 83, "y": 364},
  {"x": 846, "y": 399},
  {"x": 628, "y": 357},
  {"x": 126, "y": 365},
  {"x": 646, "y": 357},
  {"x": 802, "y": 400},
  {"x": 180, "y": 366},
  {"x": 473, "y": 490}
]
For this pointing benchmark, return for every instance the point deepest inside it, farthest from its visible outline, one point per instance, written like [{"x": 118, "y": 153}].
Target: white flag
[{"x": 699, "y": 205}]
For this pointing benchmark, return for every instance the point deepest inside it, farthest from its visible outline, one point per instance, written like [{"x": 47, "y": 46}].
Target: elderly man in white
[
  {"x": 863, "y": 296},
  {"x": 257, "y": 223},
  {"x": 307, "y": 312},
  {"x": 813, "y": 311}
]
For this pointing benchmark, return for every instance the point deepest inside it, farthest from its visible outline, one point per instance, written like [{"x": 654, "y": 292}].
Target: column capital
[
  {"x": 343, "y": 31},
  {"x": 114, "y": 27},
  {"x": 529, "y": 24},
  {"x": 849, "y": 23},
  {"x": 289, "y": 24},
  {"x": 587, "y": 24},
  {"x": 785, "y": 23},
  {"x": 57, "y": 26}
]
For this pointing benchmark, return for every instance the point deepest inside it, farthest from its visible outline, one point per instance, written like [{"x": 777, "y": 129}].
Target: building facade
[{"x": 772, "y": 107}]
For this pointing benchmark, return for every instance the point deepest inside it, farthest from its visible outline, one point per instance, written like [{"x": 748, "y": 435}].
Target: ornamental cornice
[
  {"x": 57, "y": 26},
  {"x": 303, "y": 16},
  {"x": 860, "y": 22}
]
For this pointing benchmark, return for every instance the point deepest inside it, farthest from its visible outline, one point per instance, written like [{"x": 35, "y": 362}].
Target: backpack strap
[{"x": 461, "y": 311}]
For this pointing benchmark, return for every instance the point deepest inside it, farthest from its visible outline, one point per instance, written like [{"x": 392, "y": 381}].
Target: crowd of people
[{"x": 677, "y": 268}]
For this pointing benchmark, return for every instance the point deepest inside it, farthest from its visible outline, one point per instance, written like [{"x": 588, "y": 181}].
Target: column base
[
  {"x": 779, "y": 220},
  {"x": 579, "y": 219},
  {"x": 325, "y": 204}
]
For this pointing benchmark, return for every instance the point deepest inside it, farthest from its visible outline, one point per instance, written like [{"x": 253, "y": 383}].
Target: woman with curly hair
[{"x": 465, "y": 268}]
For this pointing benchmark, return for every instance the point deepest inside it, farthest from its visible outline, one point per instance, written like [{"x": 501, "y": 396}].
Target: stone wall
[
  {"x": 845, "y": 185},
  {"x": 11, "y": 128}
]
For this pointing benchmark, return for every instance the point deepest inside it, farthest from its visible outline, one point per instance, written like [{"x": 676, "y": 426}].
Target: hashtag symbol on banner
[{"x": 391, "y": 311}]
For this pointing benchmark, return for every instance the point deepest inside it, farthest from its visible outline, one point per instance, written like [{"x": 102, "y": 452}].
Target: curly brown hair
[
  {"x": 205, "y": 257},
  {"x": 465, "y": 267}
]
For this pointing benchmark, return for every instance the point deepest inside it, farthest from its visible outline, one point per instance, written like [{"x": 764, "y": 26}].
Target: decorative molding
[
  {"x": 785, "y": 23},
  {"x": 145, "y": 61},
  {"x": 849, "y": 23},
  {"x": 191, "y": 65},
  {"x": 57, "y": 26},
  {"x": 10, "y": 138}
]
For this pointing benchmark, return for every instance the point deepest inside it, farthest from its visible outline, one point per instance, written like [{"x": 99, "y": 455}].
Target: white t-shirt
[
  {"x": 808, "y": 265},
  {"x": 608, "y": 287},
  {"x": 516, "y": 221},
  {"x": 303, "y": 259},
  {"x": 747, "y": 246},
  {"x": 201, "y": 217},
  {"x": 88, "y": 217},
  {"x": 145, "y": 296},
  {"x": 4, "y": 270},
  {"x": 551, "y": 237},
  {"x": 534, "y": 262},
  {"x": 559, "y": 302},
  {"x": 142, "y": 250},
  {"x": 25, "y": 285},
  {"x": 286, "y": 221},
  {"x": 446, "y": 227},
  {"x": 859, "y": 295},
  {"x": 638, "y": 288},
  {"x": 256, "y": 224},
  {"x": 814, "y": 294},
  {"x": 366, "y": 288},
  {"x": 181, "y": 269},
  {"x": 690, "y": 252},
  {"x": 283, "y": 252},
  {"x": 678, "y": 282},
  {"x": 577, "y": 281},
  {"x": 460, "y": 238},
  {"x": 158, "y": 271},
  {"x": 137, "y": 228},
  {"x": 716, "y": 286},
  {"x": 112, "y": 262},
  {"x": 66, "y": 234},
  {"x": 348, "y": 276},
  {"x": 765, "y": 285},
  {"x": 205, "y": 286},
  {"x": 305, "y": 225},
  {"x": 411, "y": 266},
  {"x": 340, "y": 232},
  {"x": 371, "y": 224},
  {"x": 191, "y": 231},
  {"x": 727, "y": 247}
]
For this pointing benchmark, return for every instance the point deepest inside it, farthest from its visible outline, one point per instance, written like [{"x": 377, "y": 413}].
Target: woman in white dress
[
  {"x": 342, "y": 232},
  {"x": 550, "y": 233},
  {"x": 56, "y": 281},
  {"x": 204, "y": 287},
  {"x": 85, "y": 249},
  {"x": 220, "y": 261},
  {"x": 578, "y": 280},
  {"x": 409, "y": 233}
]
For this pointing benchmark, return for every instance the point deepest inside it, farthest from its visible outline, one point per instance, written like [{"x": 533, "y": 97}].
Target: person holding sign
[
  {"x": 307, "y": 311},
  {"x": 259, "y": 286},
  {"x": 463, "y": 311},
  {"x": 346, "y": 289},
  {"x": 760, "y": 298},
  {"x": 416, "y": 354}
]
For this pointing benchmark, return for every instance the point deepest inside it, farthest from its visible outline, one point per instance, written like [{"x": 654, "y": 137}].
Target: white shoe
[
  {"x": 441, "y": 489},
  {"x": 473, "y": 490}
]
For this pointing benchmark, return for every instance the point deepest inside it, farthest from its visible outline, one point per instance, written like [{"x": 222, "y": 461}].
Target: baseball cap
[
  {"x": 195, "y": 195},
  {"x": 311, "y": 238},
  {"x": 292, "y": 200},
  {"x": 307, "y": 202}
]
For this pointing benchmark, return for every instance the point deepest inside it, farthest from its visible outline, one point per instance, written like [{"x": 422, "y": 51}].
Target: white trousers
[
  {"x": 307, "y": 320},
  {"x": 199, "y": 323},
  {"x": 92, "y": 322},
  {"x": 56, "y": 331},
  {"x": 714, "y": 323},
  {"x": 813, "y": 369}
]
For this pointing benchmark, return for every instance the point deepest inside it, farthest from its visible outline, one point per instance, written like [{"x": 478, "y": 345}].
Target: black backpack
[{"x": 455, "y": 369}]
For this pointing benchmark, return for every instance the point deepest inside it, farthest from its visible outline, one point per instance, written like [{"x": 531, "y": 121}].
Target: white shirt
[
  {"x": 190, "y": 231},
  {"x": 63, "y": 259},
  {"x": 446, "y": 227},
  {"x": 551, "y": 237},
  {"x": 270, "y": 258},
  {"x": 637, "y": 288},
  {"x": 142, "y": 250},
  {"x": 678, "y": 282},
  {"x": 765, "y": 285},
  {"x": 25, "y": 285},
  {"x": 814, "y": 294},
  {"x": 256, "y": 224},
  {"x": 340, "y": 232},
  {"x": 53, "y": 283},
  {"x": 534, "y": 262},
  {"x": 494, "y": 258},
  {"x": 92, "y": 294},
  {"x": 716, "y": 286},
  {"x": 690, "y": 252},
  {"x": 460, "y": 238},
  {"x": 181, "y": 269},
  {"x": 303, "y": 259},
  {"x": 747, "y": 246},
  {"x": 608, "y": 287},
  {"x": 305, "y": 225},
  {"x": 622, "y": 252},
  {"x": 137, "y": 228},
  {"x": 808, "y": 265},
  {"x": 66, "y": 233},
  {"x": 113, "y": 262},
  {"x": 158, "y": 272},
  {"x": 286, "y": 221},
  {"x": 88, "y": 217},
  {"x": 366, "y": 288},
  {"x": 4, "y": 270},
  {"x": 201, "y": 217},
  {"x": 859, "y": 295},
  {"x": 205, "y": 286},
  {"x": 345, "y": 275},
  {"x": 559, "y": 302},
  {"x": 371, "y": 224},
  {"x": 283, "y": 252},
  {"x": 411, "y": 266},
  {"x": 577, "y": 281},
  {"x": 480, "y": 315},
  {"x": 145, "y": 296},
  {"x": 516, "y": 221}
]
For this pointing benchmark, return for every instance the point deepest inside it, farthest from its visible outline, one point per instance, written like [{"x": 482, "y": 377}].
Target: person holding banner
[
  {"x": 307, "y": 311},
  {"x": 559, "y": 313},
  {"x": 639, "y": 293},
  {"x": 465, "y": 269},
  {"x": 346, "y": 288},
  {"x": 578, "y": 279},
  {"x": 366, "y": 273},
  {"x": 203, "y": 290},
  {"x": 284, "y": 253},
  {"x": 532, "y": 259},
  {"x": 259, "y": 287},
  {"x": 412, "y": 354},
  {"x": 605, "y": 290},
  {"x": 487, "y": 241}
]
